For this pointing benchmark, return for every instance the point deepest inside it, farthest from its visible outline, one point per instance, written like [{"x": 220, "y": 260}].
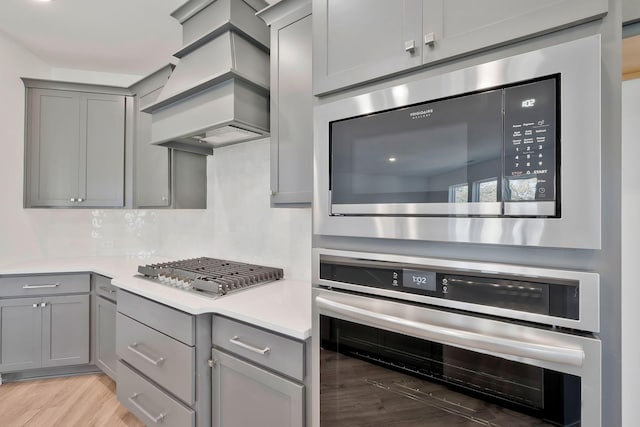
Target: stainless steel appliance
[
  {"x": 406, "y": 341},
  {"x": 210, "y": 276},
  {"x": 506, "y": 152}
]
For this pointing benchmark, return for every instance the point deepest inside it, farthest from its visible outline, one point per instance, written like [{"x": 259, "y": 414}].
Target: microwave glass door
[{"x": 444, "y": 154}]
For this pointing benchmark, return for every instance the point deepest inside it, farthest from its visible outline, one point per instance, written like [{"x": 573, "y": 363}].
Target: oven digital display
[{"x": 419, "y": 279}]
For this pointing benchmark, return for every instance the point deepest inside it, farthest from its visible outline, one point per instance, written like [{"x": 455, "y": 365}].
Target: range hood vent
[{"x": 218, "y": 93}]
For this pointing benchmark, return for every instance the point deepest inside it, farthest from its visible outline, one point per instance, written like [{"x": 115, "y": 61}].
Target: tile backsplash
[{"x": 238, "y": 224}]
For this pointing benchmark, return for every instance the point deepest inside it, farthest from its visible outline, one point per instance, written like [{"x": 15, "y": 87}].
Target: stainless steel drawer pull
[
  {"x": 148, "y": 414},
  {"x": 236, "y": 340},
  {"x": 134, "y": 349},
  {"x": 104, "y": 288},
  {"x": 52, "y": 285}
]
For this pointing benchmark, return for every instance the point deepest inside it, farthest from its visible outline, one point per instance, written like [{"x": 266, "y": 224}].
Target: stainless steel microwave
[{"x": 506, "y": 152}]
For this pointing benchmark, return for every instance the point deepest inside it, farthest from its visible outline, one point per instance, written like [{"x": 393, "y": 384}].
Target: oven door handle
[{"x": 456, "y": 337}]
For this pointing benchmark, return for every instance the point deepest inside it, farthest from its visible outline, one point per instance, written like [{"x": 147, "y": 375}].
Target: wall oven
[
  {"x": 408, "y": 341},
  {"x": 504, "y": 152}
]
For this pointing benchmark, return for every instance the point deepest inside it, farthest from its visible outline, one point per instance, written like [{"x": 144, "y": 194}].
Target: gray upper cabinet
[
  {"x": 152, "y": 169},
  {"x": 163, "y": 177},
  {"x": 75, "y": 145},
  {"x": 357, "y": 41},
  {"x": 291, "y": 102}
]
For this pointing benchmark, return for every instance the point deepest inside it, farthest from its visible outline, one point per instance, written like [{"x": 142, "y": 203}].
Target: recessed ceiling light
[
  {"x": 43, "y": 1},
  {"x": 392, "y": 159}
]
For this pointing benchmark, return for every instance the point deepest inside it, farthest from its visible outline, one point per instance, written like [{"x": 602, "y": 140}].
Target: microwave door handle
[{"x": 455, "y": 337}]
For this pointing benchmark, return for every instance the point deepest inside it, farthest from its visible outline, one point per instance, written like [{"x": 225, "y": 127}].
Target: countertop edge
[{"x": 123, "y": 274}]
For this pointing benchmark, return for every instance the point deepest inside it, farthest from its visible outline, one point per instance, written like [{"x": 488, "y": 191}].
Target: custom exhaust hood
[{"x": 218, "y": 93}]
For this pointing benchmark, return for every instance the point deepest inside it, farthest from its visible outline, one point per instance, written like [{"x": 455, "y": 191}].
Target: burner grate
[{"x": 211, "y": 275}]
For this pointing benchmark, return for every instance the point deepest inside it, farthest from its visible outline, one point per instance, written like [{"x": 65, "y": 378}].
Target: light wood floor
[{"x": 81, "y": 401}]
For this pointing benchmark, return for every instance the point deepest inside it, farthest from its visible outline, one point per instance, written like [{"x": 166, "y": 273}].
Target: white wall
[
  {"x": 630, "y": 250},
  {"x": 238, "y": 224}
]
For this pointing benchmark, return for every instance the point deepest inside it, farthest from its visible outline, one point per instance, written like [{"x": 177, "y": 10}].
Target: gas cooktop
[{"x": 214, "y": 277}]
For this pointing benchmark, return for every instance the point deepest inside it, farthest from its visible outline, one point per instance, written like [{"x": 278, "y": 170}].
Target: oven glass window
[
  {"x": 371, "y": 377},
  {"x": 429, "y": 153}
]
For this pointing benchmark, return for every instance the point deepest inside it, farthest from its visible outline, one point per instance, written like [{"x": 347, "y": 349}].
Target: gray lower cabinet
[
  {"x": 357, "y": 41},
  {"x": 163, "y": 375},
  {"x": 65, "y": 330},
  {"x": 274, "y": 401},
  {"x": 20, "y": 334},
  {"x": 255, "y": 365},
  {"x": 44, "y": 321},
  {"x": 75, "y": 146},
  {"x": 151, "y": 404},
  {"x": 105, "y": 357},
  {"x": 291, "y": 102},
  {"x": 44, "y": 332}
]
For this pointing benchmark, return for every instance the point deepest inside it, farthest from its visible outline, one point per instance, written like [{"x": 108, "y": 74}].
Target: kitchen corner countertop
[{"x": 283, "y": 306}]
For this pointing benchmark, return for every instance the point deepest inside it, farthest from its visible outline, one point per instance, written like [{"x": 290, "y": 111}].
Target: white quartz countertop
[{"x": 283, "y": 306}]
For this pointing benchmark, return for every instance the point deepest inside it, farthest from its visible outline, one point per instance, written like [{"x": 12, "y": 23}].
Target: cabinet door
[
  {"x": 20, "y": 334},
  {"x": 53, "y": 147},
  {"x": 630, "y": 11},
  {"x": 106, "y": 337},
  {"x": 291, "y": 110},
  {"x": 462, "y": 26},
  {"x": 65, "y": 330},
  {"x": 275, "y": 401},
  {"x": 102, "y": 156},
  {"x": 358, "y": 40},
  {"x": 152, "y": 168},
  {"x": 189, "y": 180}
]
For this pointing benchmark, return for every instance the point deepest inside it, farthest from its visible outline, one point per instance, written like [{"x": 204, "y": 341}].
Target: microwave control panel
[{"x": 530, "y": 152}]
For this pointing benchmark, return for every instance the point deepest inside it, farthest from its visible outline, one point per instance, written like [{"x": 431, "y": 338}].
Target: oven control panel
[{"x": 556, "y": 298}]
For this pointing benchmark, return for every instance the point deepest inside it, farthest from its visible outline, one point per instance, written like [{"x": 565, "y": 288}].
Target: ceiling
[{"x": 118, "y": 36}]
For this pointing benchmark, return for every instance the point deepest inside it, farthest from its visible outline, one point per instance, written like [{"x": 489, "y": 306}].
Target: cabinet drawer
[
  {"x": 164, "y": 360},
  {"x": 175, "y": 323},
  {"x": 104, "y": 288},
  {"x": 45, "y": 284},
  {"x": 268, "y": 349},
  {"x": 148, "y": 402}
]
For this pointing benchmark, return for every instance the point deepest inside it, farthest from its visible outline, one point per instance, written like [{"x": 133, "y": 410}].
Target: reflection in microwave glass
[{"x": 357, "y": 393}]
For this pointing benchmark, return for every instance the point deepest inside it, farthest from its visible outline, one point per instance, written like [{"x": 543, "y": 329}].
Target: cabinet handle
[
  {"x": 43, "y": 304},
  {"x": 73, "y": 200},
  {"x": 52, "y": 285},
  {"x": 410, "y": 46},
  {"x": 35, "y": 305},
  {"x": 80, "y": 200},
  {"x": 236, "y": 340},
  {"x": 133, "y": 348},
  {"x": 164, "y": 198},
  {"x": 430, "y": 39},
  {"x": 104, "y": 288},
  {"x": 133, "y": 401}
]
